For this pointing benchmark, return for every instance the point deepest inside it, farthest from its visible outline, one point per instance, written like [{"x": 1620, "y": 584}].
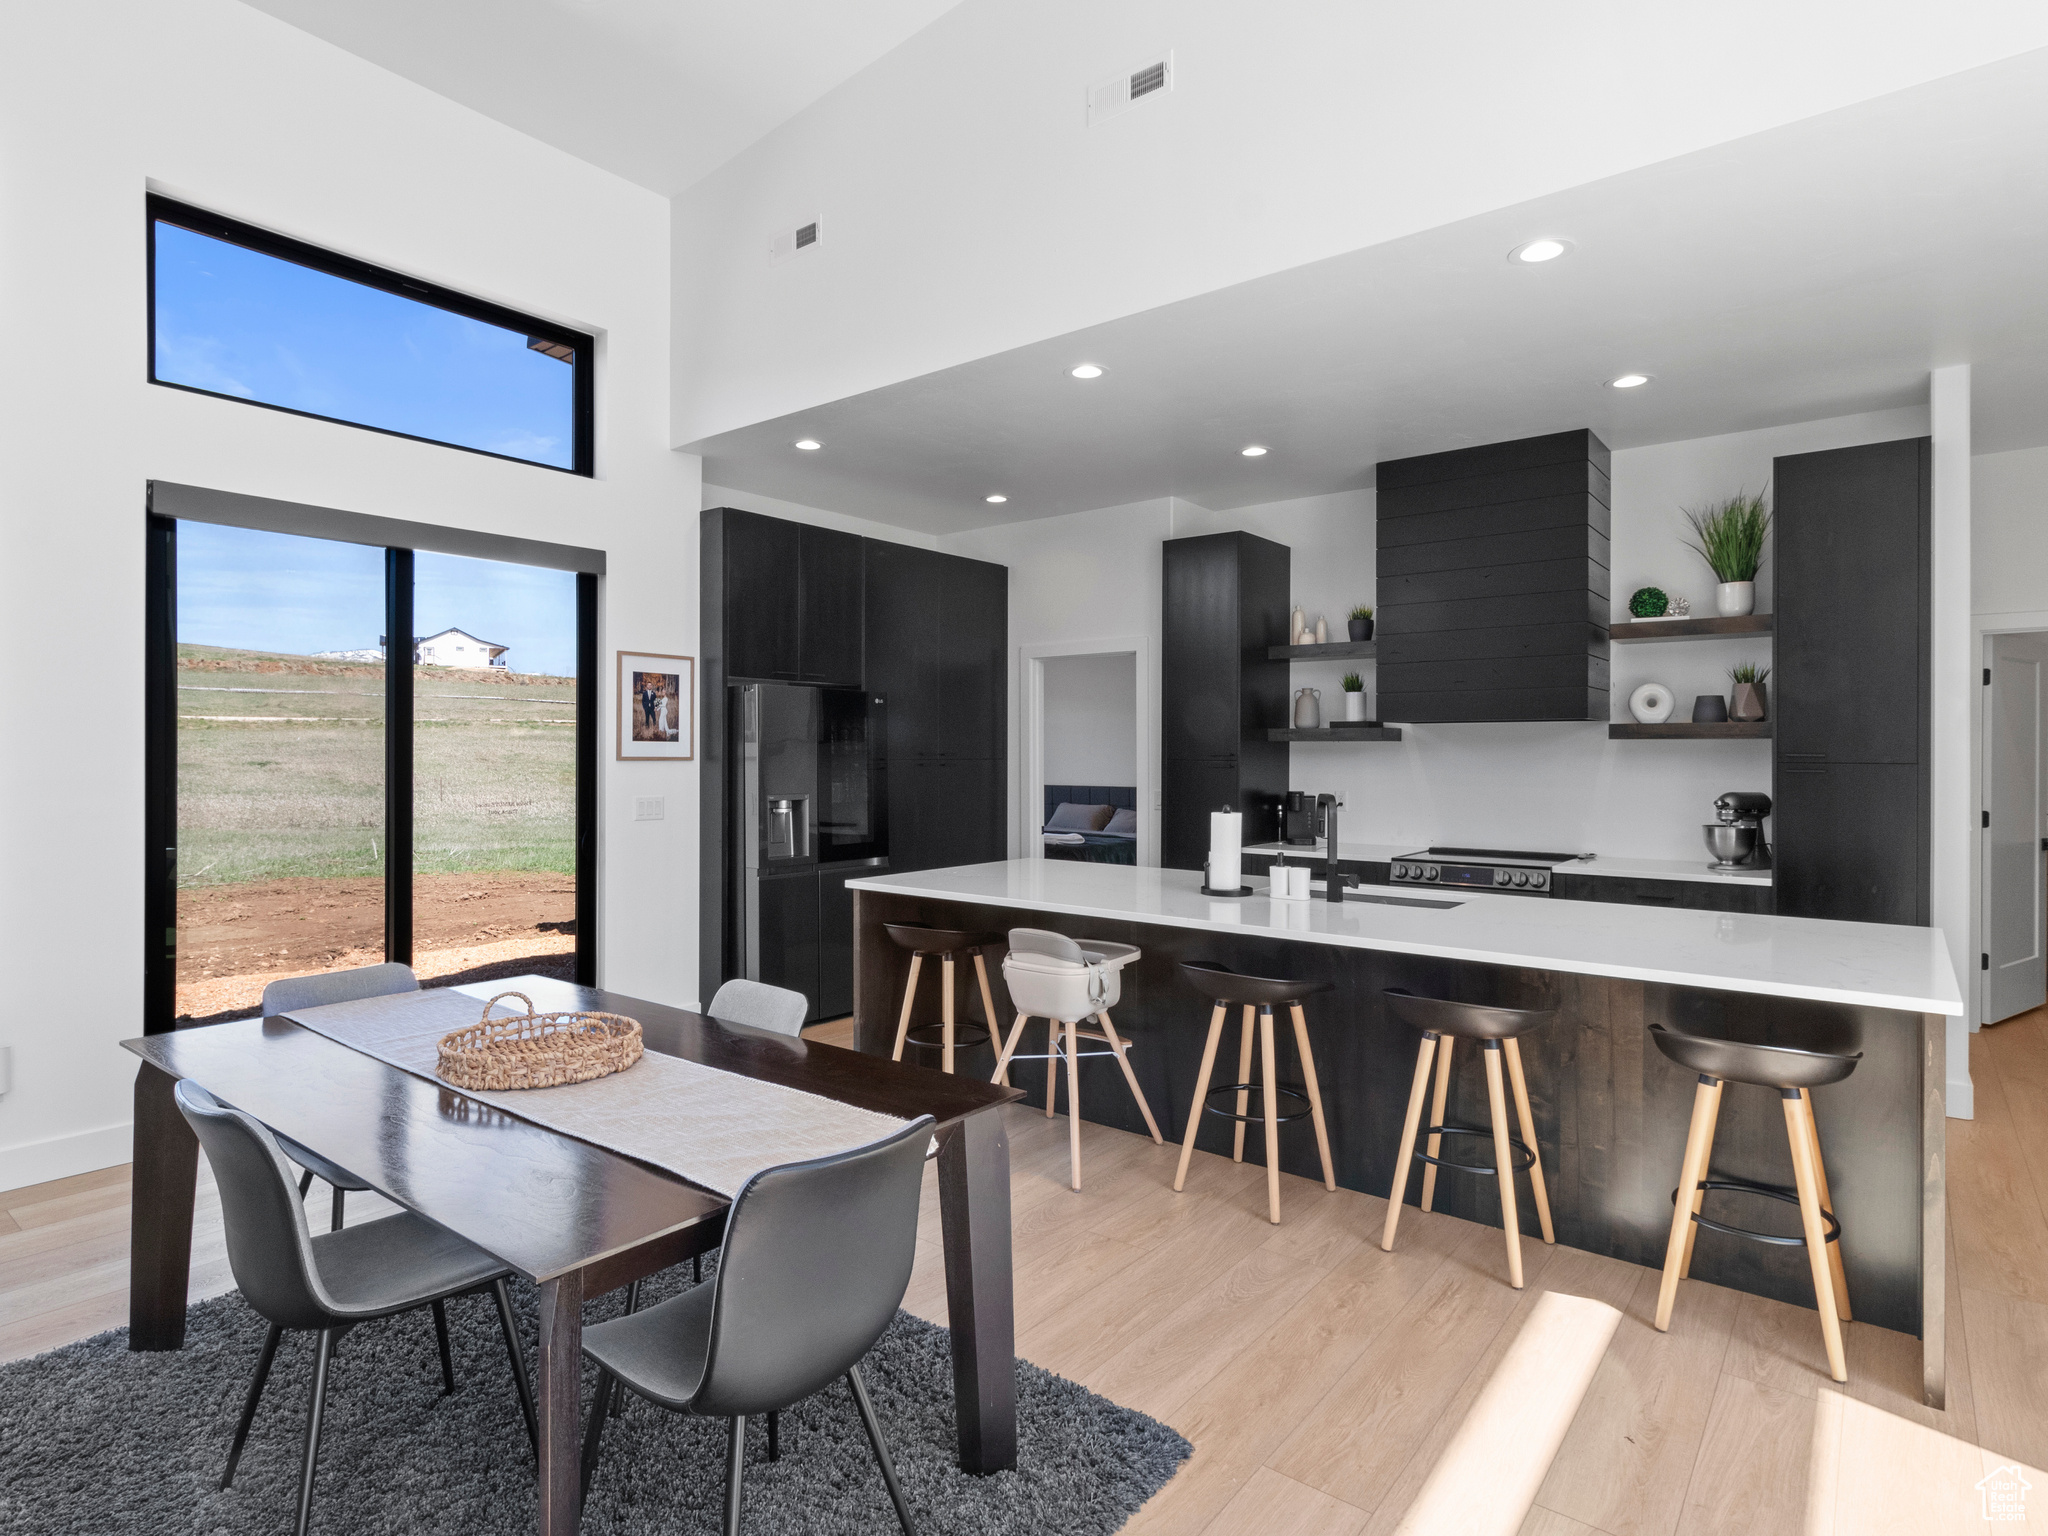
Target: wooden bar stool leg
[
  {"x": 1009, "y": 1049},
  {"x": 1510, "y": 1216},
  {"x": 1116, "y": 1043},
  {"x": 1187, "y": 1146},
  {"x": 1699, "y": 1148},
  {"x": 1799, "y": 1131},
  {"x": 909, "y": 997},
  {"x": 1436, "y": 1116},
  {"x": 1315, "y": 1097},
  {"x": 988, "y": 1002},
  {"x": 1528, "y": 1124},
  {"x": 1074, "y": 1099},
  {"x": 1399, "y": 1193},
  {"x": 1271, "y": 1092},
  {"x": 1052, "y": 1065},
  {"x": 1699, "y": 1196},
  {"x": 946, "y": 1011},
  {"x": 1827, "y": 1203},
  {"x": 1244, "y": 1075}
]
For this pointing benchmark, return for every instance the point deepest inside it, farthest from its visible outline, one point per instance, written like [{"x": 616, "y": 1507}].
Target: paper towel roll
[{"x": 1226, "y": 850}]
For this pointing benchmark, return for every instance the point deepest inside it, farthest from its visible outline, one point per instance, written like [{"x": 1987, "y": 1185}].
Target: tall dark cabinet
[
  {"x": 1493, "y": 584},
  {"x": 1852, "y": 537},
  {"x": 792, "y": 603},
  {"x": 1225, "y": 600}
]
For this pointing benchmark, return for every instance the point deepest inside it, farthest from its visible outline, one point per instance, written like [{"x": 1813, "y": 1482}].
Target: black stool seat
[
  {"x": 939, "y": 941},
  {"x": 1784, "y": 1067},
  {"x": 1226, "y": 986},
  {"x": 1467, "y": 1021}
]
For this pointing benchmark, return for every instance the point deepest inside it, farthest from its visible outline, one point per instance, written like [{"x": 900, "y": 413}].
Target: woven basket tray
[{"x": 538, "y": 1050}]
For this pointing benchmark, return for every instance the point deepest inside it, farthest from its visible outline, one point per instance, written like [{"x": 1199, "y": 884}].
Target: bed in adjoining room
[{"x": 1091, "y": 823}]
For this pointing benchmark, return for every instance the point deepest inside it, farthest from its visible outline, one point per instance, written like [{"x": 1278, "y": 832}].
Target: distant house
[{"x": 457, "y": 648}]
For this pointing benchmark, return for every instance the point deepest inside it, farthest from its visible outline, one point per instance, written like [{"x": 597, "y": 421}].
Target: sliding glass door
[{"x": 359, "y": 753}]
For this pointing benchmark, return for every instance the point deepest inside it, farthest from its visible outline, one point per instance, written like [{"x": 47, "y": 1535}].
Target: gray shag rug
[{"x": 98, "y": 1441}]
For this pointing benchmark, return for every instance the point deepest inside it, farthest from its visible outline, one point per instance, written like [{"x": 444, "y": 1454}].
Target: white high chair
[{"x": 1052, "y": 977}]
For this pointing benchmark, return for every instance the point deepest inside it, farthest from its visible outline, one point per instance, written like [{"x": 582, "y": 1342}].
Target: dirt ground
[{"x": 233, "y": 939}]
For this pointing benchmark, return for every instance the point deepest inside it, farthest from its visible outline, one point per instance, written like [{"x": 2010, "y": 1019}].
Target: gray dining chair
[
  {"x": 329, "y": 1283},
  {"x": 760, "y": 1006},
  {"x": 289, "y": 992},
  {"x": 817, "y": 1257}
]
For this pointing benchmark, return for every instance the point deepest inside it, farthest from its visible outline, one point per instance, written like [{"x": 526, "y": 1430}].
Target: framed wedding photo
[{"x": 657, "y": 707}]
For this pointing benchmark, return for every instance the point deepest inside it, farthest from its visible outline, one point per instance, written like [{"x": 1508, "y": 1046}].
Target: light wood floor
[{"x": 1317, "y": 1376}]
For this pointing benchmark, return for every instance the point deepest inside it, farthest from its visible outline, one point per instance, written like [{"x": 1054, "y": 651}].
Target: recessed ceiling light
[
  {"x": 995, "y": 501},
  {"x": 809, "y": 444},
  {"x": 1531, "y": 252},
  {"x": 1253, "y": 452},
  {"x": 1629, "y": 381},
  {"x": 1087, "y": 371}
]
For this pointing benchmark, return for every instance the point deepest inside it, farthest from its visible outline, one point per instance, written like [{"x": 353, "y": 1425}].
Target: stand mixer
[{"x": 1736, "y": 840}]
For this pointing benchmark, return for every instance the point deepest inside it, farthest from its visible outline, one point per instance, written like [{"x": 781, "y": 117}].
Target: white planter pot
[
  {"x": 1734, "y": 599},
  {"x": 1354, "y": 705}
]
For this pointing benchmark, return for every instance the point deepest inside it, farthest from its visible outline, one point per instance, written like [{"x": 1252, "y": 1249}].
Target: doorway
[
  {"x": 2013, "y": 822},
  {"x": 1085, "y": 745}
]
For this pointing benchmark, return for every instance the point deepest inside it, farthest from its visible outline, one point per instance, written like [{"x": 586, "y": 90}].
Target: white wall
[
  {"x": 220, "y": 104},
  {"x": 1563, "y": 786},
  {"x": 968, "y": 209},
  {"x": 1091, "y": 719}
]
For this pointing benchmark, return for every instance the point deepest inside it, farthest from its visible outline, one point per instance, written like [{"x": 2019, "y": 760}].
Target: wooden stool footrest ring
[
  {"x": 537, "y": 1050},
  {"x": 1519, "y": 1155}
]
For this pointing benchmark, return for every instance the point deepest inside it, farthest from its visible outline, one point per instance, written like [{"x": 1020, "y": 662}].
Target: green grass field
[{"x": 281, "y": 769}]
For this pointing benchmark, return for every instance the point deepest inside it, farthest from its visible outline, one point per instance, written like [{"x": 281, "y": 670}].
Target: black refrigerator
[{"x": 808, "y": 807}]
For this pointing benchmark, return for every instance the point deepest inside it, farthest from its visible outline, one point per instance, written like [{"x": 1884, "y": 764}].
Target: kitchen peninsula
[{"x": 1611, "y": 1111}]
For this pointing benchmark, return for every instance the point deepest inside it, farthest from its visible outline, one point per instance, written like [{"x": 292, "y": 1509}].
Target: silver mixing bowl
[{"x": 1730, "y": 846}]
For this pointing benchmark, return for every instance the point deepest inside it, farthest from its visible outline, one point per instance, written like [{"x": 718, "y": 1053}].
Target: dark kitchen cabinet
[
  {"x": 835, "y": 939},
  {"x": 1688, "y": 895},
  {"x": 763, "y": 602},
  {"x": 1850, "y": 682},
  {"x": 1224, "y": 601},
  {"x": 830, "y": 643},
  {"x": 974, "y": 698},
  {"x": 1493, "y": 582}
]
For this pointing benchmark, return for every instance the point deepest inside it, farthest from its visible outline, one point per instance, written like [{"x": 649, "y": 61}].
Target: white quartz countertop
[
  {"x": 1874, "y": 964},
  {"x": 1600, "y": 864}
]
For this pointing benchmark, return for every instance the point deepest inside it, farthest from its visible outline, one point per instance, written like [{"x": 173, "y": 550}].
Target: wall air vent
[
  {"x": 1122, "y": 92},
  {"x": 790, "y": 242}
]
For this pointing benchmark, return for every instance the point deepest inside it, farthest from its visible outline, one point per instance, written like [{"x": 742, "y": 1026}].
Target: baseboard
[
  {"x": 1962, "y": 1099},
  {"x": 38, "y": 1162}
]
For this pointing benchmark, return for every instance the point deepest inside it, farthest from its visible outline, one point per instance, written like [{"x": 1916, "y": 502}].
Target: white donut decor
[{"x": 1651, "y": 704}]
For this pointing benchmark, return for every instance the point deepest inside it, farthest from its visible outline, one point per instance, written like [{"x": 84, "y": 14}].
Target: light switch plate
[{"x": 650, "y": 808}]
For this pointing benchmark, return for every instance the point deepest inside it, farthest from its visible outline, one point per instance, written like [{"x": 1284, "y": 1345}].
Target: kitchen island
[{"x": 1611, "y": 1111}]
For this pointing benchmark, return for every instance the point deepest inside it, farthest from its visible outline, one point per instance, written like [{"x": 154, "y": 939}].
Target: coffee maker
[
  {"x": 1736, "y": 838},
  {"x": 1300, "y": 823}
]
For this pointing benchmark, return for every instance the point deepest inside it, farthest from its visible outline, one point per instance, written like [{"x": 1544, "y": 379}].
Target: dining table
[{"x": 574, "y": 1218}]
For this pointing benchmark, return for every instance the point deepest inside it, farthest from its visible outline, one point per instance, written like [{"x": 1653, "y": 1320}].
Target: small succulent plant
[
  {"x": 1361, "y": 612},
  {"x": 1353, "y": 683},
  {"x": 1748, "y": 672}
]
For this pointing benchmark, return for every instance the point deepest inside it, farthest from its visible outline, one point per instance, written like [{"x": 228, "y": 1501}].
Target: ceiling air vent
[
  {"x": 1124, "y": 91},
  {"x": 790, "y": 242}
]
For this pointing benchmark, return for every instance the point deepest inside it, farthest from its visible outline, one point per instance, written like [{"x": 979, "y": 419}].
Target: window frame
[{"x": 583, "y": 397}]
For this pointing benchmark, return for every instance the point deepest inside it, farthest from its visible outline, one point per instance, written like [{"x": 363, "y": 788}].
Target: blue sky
[
  {"x": 240, "y": 323},
  {"x": 281, "y": 592}
]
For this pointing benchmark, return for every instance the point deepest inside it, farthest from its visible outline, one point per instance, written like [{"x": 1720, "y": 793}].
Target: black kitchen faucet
[{"x": 1326, "y": 812}]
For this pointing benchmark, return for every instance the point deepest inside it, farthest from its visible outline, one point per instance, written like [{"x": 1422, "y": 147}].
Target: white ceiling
[
  {"x": 660, "y": 92},
  {"x": 1815, "y": 270}
]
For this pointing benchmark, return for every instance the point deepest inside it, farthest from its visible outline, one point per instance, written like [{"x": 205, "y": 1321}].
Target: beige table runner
[{"x": 714, "y": 1128}]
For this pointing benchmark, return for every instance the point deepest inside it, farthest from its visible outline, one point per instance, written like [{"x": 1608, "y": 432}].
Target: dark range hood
[{"x": 1493, "y": 587}]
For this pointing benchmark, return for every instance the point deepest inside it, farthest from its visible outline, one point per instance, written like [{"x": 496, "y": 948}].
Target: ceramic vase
[
  {"x": 1296, "y": 627},
  {"x": 1361, "y": 629},
  {"x": 1354, "y": 705},
  {"x": 1748, "y": 702},
  {"x": 1734, "y": 599},
  {"x": 1709, "y": 709},
  {"x": 1322, "y": 631},
  {"x": 1308, "y": 710}
]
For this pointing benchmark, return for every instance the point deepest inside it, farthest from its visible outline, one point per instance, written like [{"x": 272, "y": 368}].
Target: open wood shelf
[
  {"x": 1336, "y": 650},
  {"x": 1688, "y": 629},
  {"x": 1669, "y": 730},
  {"x": 1369, "y": 730}
]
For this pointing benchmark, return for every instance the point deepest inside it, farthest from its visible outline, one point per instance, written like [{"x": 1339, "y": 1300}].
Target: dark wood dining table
[{"x": 575, "y": 1219}]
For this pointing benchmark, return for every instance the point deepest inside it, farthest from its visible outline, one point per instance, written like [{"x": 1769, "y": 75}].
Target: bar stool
[
  {"x": 1067, "y": 982},
  {"x": 945, "y": 943},
  {"x": 1260, "y": 994},
  {"x": 1820, "y": 1056},
  {"x": 1443, "y": 1022}
]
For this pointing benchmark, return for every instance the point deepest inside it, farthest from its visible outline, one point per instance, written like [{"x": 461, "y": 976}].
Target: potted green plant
[
  {"x": 1749, "y": 702},
  {"x": 1354, "y": 696},
  {"x": 1360, "y": 623},
  {"x": 1730, "y": 537}
]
